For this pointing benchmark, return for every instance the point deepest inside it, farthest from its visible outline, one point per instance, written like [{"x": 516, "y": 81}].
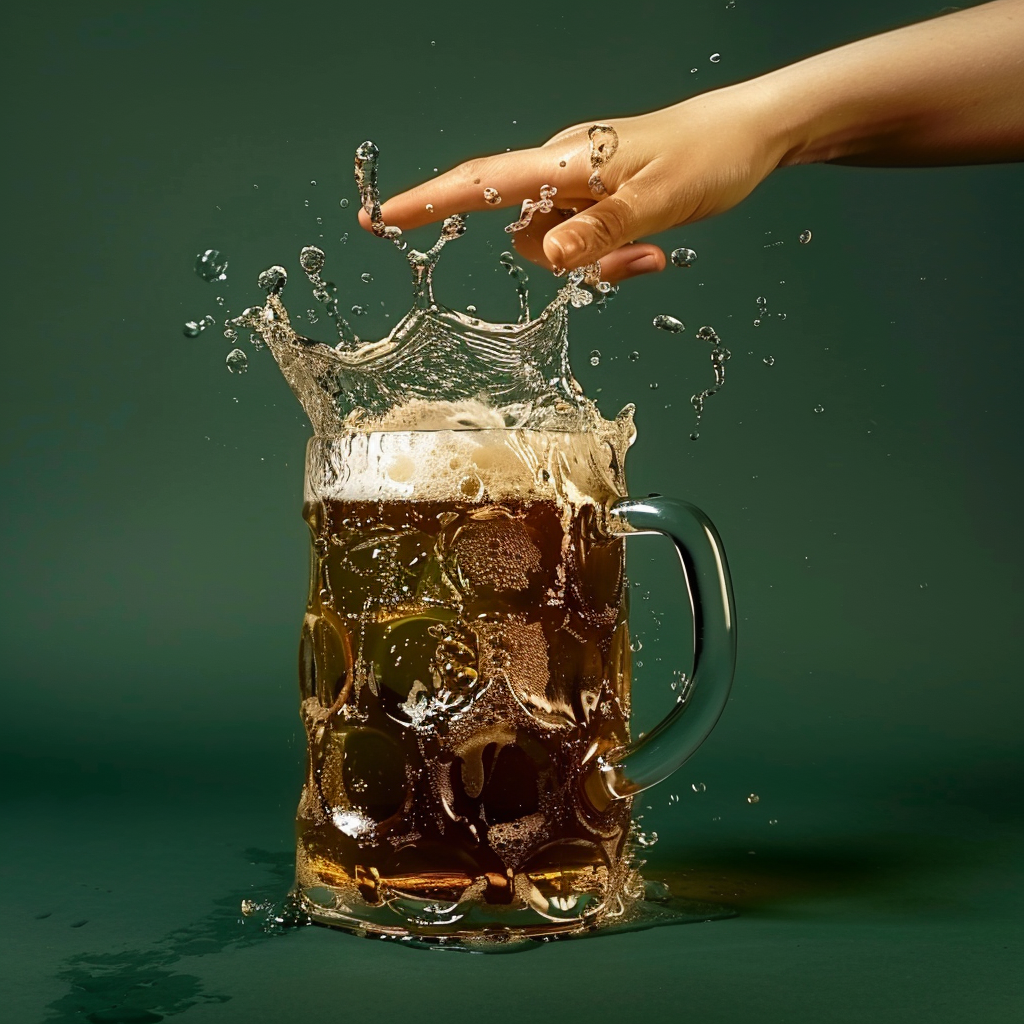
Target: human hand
[{"x": 672, "y": 167}]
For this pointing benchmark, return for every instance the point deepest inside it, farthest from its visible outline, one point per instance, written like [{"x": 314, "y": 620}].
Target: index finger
[{"x": 514, "y": 177}]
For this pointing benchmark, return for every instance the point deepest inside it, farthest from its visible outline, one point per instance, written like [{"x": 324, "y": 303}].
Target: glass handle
[{"x": 650, "y": 760}]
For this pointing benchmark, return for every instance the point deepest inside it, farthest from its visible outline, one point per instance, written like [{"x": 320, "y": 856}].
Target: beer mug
[{"x": 465, "y": 680}]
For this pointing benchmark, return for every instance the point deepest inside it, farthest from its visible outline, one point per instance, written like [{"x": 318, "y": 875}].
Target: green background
[{"x": 154, "y": 560}]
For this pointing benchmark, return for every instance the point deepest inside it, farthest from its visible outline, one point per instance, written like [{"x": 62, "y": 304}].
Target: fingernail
[
  {"x": 646, "y": 264},
  {"x": 565, "y": 249}
]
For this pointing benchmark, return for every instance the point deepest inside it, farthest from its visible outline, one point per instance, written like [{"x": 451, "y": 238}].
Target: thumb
[{"x": 603, "y": 227}]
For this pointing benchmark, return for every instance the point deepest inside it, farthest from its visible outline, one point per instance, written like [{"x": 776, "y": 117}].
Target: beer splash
[{"x": 518, "y": 372}]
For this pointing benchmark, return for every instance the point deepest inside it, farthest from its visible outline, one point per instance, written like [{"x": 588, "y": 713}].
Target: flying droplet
[
  {"x": 768, "y": 360},
  {"x": 429, "y": 207},
  {"x": 757, "y": 323},
  {"x": 695, "y": 436},
  {"x": 762, "y": 301},
  {"x": 343, "y": 203},
  {"x": 715, "y": 58},
  {"x": 212, "y": 266},
  {"x": 344, "y": 238},
  {"x": 359, "y": 310},
  {"x": 312, "y": 259},
  {"x": 595, "y": 357},
  {"x": 698, "y": 787},
  {"x": 654, "y": 385},
  {"x": 273, "y": 280},
  {"x": 471, "y": 308},
  {"x": 664, "y": 322},
  {"x": 819, "y": 408},
  {"x": 707, "y": 334},
  {"x": 753, "y": 799},
  {"x": 682, "y": 257},
  {"x": 192, "y": 329},
  {"x": 492, "y": 196},
  {"x": 693, "y": 71},
  {"x": 366, "y": 278},
  {"x": 634, "y": 356},
  {"x": 773, "y": 821},
  {"x": 805, "y": 236},
  {"x": 730, "y": 5},
  {"x": 236, "y": 361}
]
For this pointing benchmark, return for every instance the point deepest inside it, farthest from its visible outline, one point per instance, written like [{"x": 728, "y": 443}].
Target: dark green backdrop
[{"x": 154, "y": 559}]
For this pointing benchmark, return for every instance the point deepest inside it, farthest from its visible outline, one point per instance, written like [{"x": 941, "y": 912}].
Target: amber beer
[{"x": 464, "y": 659}]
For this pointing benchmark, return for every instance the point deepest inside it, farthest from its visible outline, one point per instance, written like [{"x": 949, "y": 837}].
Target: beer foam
[{"x": 463, "y": 451}]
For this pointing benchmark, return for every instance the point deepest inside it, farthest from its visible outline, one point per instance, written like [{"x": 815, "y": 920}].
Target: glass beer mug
[{"x": 465, "y": 680}]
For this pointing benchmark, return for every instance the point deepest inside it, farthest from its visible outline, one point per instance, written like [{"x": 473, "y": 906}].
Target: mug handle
[{"x": 650, "y": 760}]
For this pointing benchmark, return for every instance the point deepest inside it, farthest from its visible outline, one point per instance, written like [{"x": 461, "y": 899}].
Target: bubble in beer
[
  {"x": 236, "y": 361},
  {"x": 768, "y": 360},
  {"x": 273, "y": 280},
  {"x": 212, "y": 266},
  {"x": 819, "y": 408},
  {"x": 753, "y": 799},
  {"x": 312, "y": 259},
  {"x": 698, "y": 787},
  {"x": 715, "y": 58},
  {"x": 664, "y": 322},
  {"x": 492, "y": 196},
  {"x": 683, "y": 257},
  {"x": 366, "y": 278},
  {"x": 595, "y": 357},
  {"x": 805, "y": 236}
]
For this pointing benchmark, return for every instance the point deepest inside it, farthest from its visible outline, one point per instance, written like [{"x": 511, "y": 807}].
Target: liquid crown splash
[{"x": 479, "y": 374}]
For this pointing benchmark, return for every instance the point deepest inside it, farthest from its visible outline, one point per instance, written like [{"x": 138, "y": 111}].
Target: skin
[{"x": 942, "y": 92}]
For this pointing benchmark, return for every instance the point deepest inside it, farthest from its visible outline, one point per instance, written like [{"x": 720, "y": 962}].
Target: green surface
[{"x": 154, "y": 558}]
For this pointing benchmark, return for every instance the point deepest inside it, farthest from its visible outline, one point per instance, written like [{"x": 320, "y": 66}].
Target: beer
[{"x": 464, "y": 660}]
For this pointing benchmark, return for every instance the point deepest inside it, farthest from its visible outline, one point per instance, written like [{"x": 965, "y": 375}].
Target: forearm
[{"x": 945, "y": 91}]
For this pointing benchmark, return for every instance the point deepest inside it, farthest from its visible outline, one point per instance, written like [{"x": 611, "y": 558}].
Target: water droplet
[
  {"x": 698, "y": 787},
  {"x": 595, "y": 357},
  {"x": 768, "y": 360},
  {"x": 212, "y": 266},
  {"x": 236, "y": 361},
  {"x": 230, "y": 333},
  {"x": 359, "y": 310},
  {"x": 312, "y": 183},
  {"x": 634, "y": 356},
  {"x": 636, "y": 645},
  {"x": 192, "y": 329},
  {"x": 707, "y": 333},
  {"x": 429, "y": 207},
  {"x": 305, "y": 202},
  {"x": 343, "y": 203},
  {"x": 695, "y": 436},
  {"x": 320, "y": 220},
  {"x": 344, "y": 238},
  {"x": 715, "y": 58},
  {"x": 762, "y": 301},
  {"x": 693, "y": 71},
  {"x": 819, "y": 408},
  {"x": 491, "y": 196},
  {"x": 471, "y": 308},
  {"x": 773, "y": 821},
  {"x": 433, "y": 42},
  {"x": 219, "y": 300},
  {"x": 805, "y": 236},
  {"x": 207, "y": 321},
  {"x": 753, "y": 799},
  {"x": 273, "y": 280},
  {"x": 654, "y": 385},
  {"x": 366, "y": 278},
  {"x": 561, "y": 163},
  {"x": 781, "y": 316},
  {"x": 757, "y": 323},
  {"x": 730, "y": 5},
  {"x": 311, "y": 316},
  {"x": 682, "y": 257},
  {"x": 312, "y": 259},
  {"x": 664, "y": 322}
]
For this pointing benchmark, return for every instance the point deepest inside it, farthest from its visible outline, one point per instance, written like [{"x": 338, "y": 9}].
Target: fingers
[
  {"x": 632, "y": 261},
  {"x": 602, "y": 228},
  {"x": 514, "y": 176}
]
